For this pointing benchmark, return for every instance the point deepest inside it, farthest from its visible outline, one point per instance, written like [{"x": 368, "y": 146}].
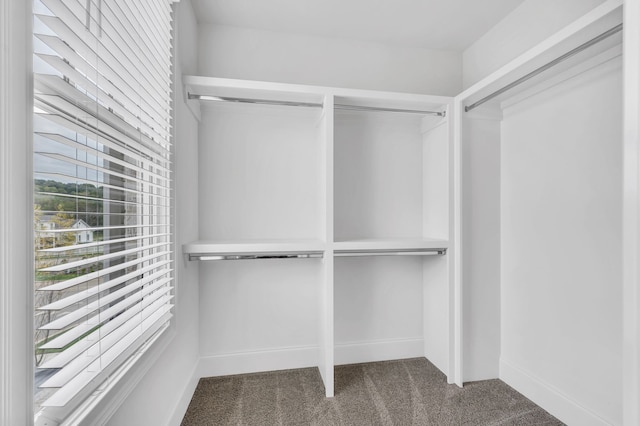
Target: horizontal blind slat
[
  {"x": 56, "y": 104},
  {"x": 104, "y": 170},
  {"x": 106, "y": 200},
  {"x": 63, "y": 285},
  {"x": 86, "y": 294},
  {"x": 101, "y": 185},
  {"x": 102, "y": 155},
  {"x": 120, "y": 351},
  {"x": 70, "y": 353},
  {"x": 83, "y": 106},
  {"x": 130, "y": 51},
  {"x": 161, "y": 61},
  {"x": 102, "y": 243},
  {"x": 113, "y": 87},
  {"x": 105, "y": 341},
  {"x": 106, "y": 61},
  {"x": 131, "y": 10},
  {"x": 61, "y": 341},
  {"x": 90, "y": 308},
  {"x": 96, "y": 259},
  {"x": 124, "y": 109},
  {"x": 111, "y": 143},
  {"x": 105, "y": 228}
]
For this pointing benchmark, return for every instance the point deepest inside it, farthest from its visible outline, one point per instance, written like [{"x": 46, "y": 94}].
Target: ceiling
[{"x": 442, "y": 24}]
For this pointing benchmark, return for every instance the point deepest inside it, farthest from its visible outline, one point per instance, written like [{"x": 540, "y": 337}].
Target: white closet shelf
[
  {"x": 282, "y": 92},
  {"x": 250, "y": 247}
]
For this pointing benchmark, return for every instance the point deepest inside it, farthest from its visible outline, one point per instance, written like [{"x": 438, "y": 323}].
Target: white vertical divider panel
[
  {"x": 455, "y": 301},
  {"x": 631, "y": 215},
  {"x": 453, "y": 329},
  {"x": 436, "y": 172},
  {"x": 325, "y": 299}
]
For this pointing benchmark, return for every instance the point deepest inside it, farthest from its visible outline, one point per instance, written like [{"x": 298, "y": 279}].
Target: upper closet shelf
[
  {"x": 594, "y": 38},
  {"x": 211, "y": 88}
]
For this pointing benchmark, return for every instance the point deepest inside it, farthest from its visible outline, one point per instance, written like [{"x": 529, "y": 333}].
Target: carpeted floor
[{"x": 403, "y": 392}]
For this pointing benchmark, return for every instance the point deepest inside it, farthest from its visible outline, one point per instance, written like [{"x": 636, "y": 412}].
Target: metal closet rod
[
  {"x": 414, "y": 252},
  {"x": 252, "y": 256},
  {"x": 545, "y": 67},
  {"x": 311, "y": 105}
]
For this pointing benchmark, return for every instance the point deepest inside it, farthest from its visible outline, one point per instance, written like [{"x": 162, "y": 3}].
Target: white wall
[
  {"x": 561, "y": 237},
  {"x": 529, "y": 24},
  {"x": 631, "y": 294},
  {"x": 250, "y": 54},
  {"x": 166, "y": 389}
]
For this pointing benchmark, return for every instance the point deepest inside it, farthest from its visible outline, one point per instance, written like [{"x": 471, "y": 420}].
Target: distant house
[
  {"x": 47, "y": 239},
  {"x": 84, "y": 236},
  {"x": 46, "y": 224}
]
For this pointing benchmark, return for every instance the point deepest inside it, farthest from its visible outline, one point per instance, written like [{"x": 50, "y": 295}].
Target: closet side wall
[
  {"x": 250, "y": 54},
  {"x": 561, "y": 236},
  {"x": 529, "y": 24}
]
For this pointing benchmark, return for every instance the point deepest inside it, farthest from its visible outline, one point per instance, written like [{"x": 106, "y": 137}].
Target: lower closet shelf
[
  {"x": 250, "y": 256},
  {"x": 206, "y": 250}
]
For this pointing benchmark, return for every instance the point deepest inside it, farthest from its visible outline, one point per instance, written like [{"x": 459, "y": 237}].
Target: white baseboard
[
  {"x": 548, "y": 397},
  {"x": 257, "y": 361},
  {"x": 187, "y": 393},
  {"x": 306, "y": 356},
  {"x": 373, "y": 351}
]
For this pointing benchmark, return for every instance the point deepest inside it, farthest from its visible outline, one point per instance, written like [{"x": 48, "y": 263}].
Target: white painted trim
[
  {"x": 258, "y": 361},
  {"x": 548, "y": 397},
  {"x": 15, "y": 212},
  {"x": 182, "y": 404},
  {"x": 631, "y": 216},
  {"x": 5, "y": 261},
  {"x": 381, "y": 350}
]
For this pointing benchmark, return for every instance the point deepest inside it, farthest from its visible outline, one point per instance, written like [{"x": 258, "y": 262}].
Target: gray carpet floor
[{"x": 403, "y": 392}]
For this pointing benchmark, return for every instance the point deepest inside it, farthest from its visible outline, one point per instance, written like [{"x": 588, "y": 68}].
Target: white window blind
[{"x": 102, "y": 189}]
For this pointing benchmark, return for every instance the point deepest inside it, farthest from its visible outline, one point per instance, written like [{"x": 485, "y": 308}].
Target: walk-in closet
[{"x": 319, "y": 212}]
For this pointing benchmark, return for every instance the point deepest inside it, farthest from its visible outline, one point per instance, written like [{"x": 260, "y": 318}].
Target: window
[{"x": 102, "y": 191}]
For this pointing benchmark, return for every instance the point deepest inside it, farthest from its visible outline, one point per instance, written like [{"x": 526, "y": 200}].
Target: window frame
[
  {"x": 16, "y": 251},
  {"x": 16, "y": 107}
]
